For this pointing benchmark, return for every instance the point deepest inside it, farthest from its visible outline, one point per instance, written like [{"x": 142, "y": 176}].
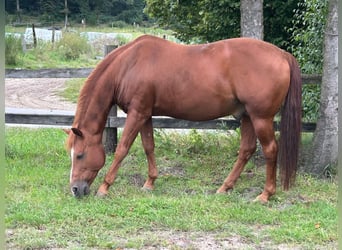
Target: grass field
[{"x": 183, "y": 212}]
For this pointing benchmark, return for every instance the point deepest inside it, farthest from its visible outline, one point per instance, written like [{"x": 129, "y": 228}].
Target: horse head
[{"x": 87, "y": 158}]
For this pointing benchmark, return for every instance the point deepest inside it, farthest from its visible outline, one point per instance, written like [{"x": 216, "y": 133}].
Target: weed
[
  {"x": 72, "y": 45},
  {"x": 13, "y": 50}
]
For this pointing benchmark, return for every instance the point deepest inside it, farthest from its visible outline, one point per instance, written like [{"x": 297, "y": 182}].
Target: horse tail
[{"x": 290, "y": 126}]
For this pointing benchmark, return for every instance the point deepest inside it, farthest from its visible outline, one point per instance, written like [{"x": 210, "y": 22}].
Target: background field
[{"x": 183, "y": 212}]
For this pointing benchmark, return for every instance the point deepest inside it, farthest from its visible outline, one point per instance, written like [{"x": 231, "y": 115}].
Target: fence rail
[
  {"x": 65, "y": 118},
  {"x": 84, "y": 72},
  {"x": 48, "y": 73}
]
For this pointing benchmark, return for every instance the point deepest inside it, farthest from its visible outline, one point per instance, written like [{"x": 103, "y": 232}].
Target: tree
[
  {"x": 209, "y": 20},
  {"x": 18, "y": 11},
  {"x": 252, "y": 19},
  {"x": 278, "y": 18},
  {"x": 307, "y": 34},
  {"x": 325, "y": 144},
  {"x": 307, "y": 46},
  {"x": 199, "y": 21},
  {"x": 66, "y": 11},
  {"x": 94, "y": 11},
  {"x": 48, "y": 11}
]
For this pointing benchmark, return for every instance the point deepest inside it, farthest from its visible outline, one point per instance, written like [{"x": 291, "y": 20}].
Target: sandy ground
[{"x": 36, "y": 93}]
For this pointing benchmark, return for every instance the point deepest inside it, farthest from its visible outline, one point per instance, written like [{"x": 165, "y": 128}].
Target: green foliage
[
  {"x": 48, "y": 10},
  {"x": 94, "y": 12},
  {"x": 207, "y": 21},
  {"x": 41, "y": 213},
  {"x": 13, "y": 50},
  {"x": 308, "y": 34},
  {"x": 311, "y": 102},
  {"x": 199, "y": 21},
  {"x": 278, "y": 17},
  {"x": 118, "y": 24},
  {"x": 131, "y": 11},
  {"x": 72, "y": 46},
  {"x": 48, "y": 55},
  {"x": 307, "y": 46}
]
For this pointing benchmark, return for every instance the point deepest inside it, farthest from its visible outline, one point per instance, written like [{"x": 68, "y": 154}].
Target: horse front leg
[
  {"x": 148, "y": 144},
  {"x": 134, "y": 122},
  {"x": 247, "y": 148}
]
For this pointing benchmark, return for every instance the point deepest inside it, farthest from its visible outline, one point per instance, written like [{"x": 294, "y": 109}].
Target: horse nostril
[{"x": 74, "y": 190}]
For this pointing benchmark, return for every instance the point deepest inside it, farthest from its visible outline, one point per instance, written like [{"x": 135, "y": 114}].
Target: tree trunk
[
  {"x": 66, "y": 11},
  {"x": 325, "y": 144},
  {"x": 252, "y": 19},
  {"x": 18, "y": 12}
]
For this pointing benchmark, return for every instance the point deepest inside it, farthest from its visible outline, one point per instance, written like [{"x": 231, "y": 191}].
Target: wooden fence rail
[
  {"x": 65, "y": 118},
  {"x": 84, "y": 72}
]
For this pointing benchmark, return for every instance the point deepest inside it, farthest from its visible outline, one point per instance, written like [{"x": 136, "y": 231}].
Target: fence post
[
  {"x": 53, "y": 36},
  {"x": 110, "y": 135},
  {"x": 34, "y": 36}
]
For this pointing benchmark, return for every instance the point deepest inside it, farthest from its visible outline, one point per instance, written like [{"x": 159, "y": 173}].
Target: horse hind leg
[
  {"x": 247, "y": 148},
  {"x": 148, "y": 144},
  {"x": 265, "y": 133}
]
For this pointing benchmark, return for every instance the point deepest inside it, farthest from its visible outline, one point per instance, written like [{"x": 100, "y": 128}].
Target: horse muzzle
[{"x": 80, "y": 188}]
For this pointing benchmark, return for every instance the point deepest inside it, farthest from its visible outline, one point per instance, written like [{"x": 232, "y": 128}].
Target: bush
[
  {"x": 119, "y": 24},
  {"x": 72, "y": 45},
  {"x": 12, "y": 50}
]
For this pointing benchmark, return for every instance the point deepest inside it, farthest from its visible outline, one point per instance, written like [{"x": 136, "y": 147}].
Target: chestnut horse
[{"x": 247, "y": 78}]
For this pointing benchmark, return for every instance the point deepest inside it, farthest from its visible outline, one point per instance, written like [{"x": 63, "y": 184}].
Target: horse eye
[{"x": 79, "y": 156}]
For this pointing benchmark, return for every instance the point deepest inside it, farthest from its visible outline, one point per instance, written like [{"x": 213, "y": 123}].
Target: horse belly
[{"x": 198, "y": 109}]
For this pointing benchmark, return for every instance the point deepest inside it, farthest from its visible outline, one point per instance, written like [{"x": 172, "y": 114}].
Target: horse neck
[
  {"x": 95, "y": 102},
  {"x": 99, "y": 93}
]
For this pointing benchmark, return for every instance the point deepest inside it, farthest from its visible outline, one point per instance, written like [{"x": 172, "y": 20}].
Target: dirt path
[{"x": 36, "y": 93}]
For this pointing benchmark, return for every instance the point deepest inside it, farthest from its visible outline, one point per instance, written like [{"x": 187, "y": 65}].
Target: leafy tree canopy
[
  {"x": 200, "y": 21},
  {"x": 93, "y": 11},
  {"x": 308, "y": 34},
  {"x": 209, "y": 20}
]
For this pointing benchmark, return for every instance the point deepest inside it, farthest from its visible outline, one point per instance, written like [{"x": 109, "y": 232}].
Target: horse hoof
[
  {"x": 261, "y": 199},
  {"x": 147, "y": 189},
  {"x": 221, "y": 192},
  {"x": 100, "y": 194},
  {"x": 224, "y": 191}
]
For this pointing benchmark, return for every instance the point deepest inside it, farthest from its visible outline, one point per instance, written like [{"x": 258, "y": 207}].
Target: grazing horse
[{"x": 249, "y": 79}]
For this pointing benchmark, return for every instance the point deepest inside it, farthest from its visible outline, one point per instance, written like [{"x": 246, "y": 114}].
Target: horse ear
[
  {"x": 77, "y": 132},
  {"x": 67, "y": 131}
]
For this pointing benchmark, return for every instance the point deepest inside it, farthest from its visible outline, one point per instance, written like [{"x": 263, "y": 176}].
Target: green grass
[
  {"x": 72, "y": 89},
  {"x": 41, "y": 213}
]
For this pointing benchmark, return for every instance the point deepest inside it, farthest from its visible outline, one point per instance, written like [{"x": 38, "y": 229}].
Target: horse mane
[{"x": 88, "y": 87}]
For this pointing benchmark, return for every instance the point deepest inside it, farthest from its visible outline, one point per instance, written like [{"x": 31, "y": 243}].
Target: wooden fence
[
  {"x": 84, "y": 72},
  {"x": 65, "y": 118}
]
